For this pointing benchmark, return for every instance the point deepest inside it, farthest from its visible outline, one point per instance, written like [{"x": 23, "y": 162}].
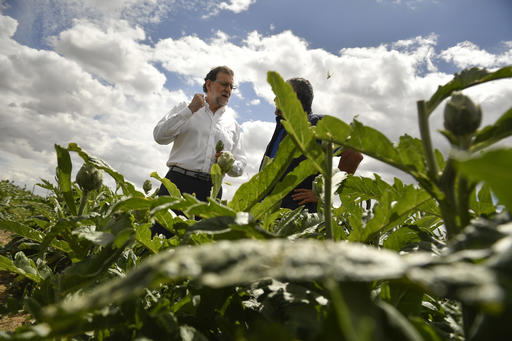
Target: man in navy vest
[{"x": 303, "y": 193}]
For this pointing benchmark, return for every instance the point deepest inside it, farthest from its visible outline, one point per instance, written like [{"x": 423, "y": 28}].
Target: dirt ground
[{"x": 9, "y": 322}]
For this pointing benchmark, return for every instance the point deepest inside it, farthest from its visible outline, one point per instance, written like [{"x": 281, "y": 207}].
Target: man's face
[{"x": 220, "y": 89}]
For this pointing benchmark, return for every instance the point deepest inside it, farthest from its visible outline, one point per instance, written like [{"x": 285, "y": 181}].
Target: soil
[{"x": 8, "y": 322}]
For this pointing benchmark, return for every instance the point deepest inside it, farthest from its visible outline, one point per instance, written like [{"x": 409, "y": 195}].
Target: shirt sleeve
[
  {"x": 239, "y": 155},
  {"x": 171, "y": 124}
]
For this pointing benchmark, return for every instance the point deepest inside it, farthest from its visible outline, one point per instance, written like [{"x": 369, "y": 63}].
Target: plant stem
[
  {"x": 463, "y": 201},
  {"x": 432, "y": 168},
  {"x": 83, "y": 201},
  {"x": 328, "y": 191}
]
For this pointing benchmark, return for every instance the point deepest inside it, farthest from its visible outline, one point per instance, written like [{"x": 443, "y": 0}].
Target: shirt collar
[{"x": 219, "y": 111}]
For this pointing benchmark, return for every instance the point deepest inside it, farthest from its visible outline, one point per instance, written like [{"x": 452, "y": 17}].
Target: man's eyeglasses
[{"x": 226, "y": 84}]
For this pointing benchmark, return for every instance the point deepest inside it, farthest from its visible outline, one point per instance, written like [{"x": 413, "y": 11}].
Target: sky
[{"x": 103, "y": 73}]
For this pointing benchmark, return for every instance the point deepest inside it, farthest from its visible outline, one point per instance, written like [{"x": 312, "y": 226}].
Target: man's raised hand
[{"x": 196, "y": 103}]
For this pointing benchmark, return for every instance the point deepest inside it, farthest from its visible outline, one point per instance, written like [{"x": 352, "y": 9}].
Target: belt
[{"x": 193, "y": 174}]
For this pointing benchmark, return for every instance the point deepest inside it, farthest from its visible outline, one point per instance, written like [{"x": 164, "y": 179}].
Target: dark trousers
[{"x": 186, "y": 184}]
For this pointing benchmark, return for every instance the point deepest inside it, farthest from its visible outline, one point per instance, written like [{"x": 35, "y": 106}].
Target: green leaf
[
  {"x": 406, "y": 297},
  {"x": 143, "y": 236},
  {"x": 241, "y": 262},
  {"x": 491, "y": 134},
  {"x": 289, "y": 182},
  {"x": 465, "y": 79},
  {"x": 227, "y": 228},
  {"x": 295, "y": 121},
  {"x": 81, "y": 274},
  {"x": 253, "y": 191},
  {"x": 332, "y": 129},
  {"x": 394, "y": 208},
  {"x": 401, "y": 238},
  {"x": 481, "y": 201},
  {"x": 227, "y": 263},
  {"x": 407, "y": 156},
  {"x": 20, "y": 267},
  {"x": 402, "y": 328},
  {"x": 494, "y": 169},
  {"x": 212, "y": 208},
  {"x": 64, "y": 177},
  {"x": 29, "y": 233},
  {"x": 174, "y": 192},
  {"x": 217, "y": 176}
]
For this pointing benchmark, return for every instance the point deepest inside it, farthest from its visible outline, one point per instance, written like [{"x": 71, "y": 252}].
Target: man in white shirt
[{"x": 195, "y": 130}]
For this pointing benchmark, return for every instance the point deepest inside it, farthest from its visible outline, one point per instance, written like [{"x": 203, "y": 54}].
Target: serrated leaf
[
  {"x": 401, "y": 238},
  {"x": 143, "y": 236},
  {"x": 393, "y": 208},
  {"x": 494, "y": 168}
]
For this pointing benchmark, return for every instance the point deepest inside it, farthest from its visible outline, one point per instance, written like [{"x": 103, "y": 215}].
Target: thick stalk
[
  {"x": 447, "y": 211},
  {"x": 432, "y": 168},
  {"x": 83, "y": 201},
  {"x": 463, "y": 187},
  {"x": 328, "y": 191},
  {"x": 463, "y": 201}
]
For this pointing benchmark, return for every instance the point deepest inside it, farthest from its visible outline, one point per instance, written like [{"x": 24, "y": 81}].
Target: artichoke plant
[{"x": 89, "y": 179}]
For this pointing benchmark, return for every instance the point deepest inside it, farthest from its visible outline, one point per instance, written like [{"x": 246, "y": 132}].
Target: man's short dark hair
[
  {"x": 304, "y": 91},
  {"x": 212, "y": 75}
]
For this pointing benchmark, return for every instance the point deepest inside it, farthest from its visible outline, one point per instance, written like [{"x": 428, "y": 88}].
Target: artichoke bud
[
  {"x": 89, "y": 178},
  {"x": 461, "y": 115},
  {"x": 220, "y": 146},
  {"x": 147, "y": 186},
  {"x": 226, "y": 161}
]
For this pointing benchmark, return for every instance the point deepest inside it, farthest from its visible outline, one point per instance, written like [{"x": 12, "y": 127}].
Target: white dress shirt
[{"x": 195, "y": 136}]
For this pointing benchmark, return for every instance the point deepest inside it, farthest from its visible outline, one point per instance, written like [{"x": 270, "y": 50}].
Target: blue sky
[{"x": 101, "y": 74}]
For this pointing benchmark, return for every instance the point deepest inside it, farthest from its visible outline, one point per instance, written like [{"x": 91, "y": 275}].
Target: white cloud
[
  {"x": 467, "y": 54},
  {"x": 236, "y": 6},
  {"x": 114, "y": 55}
]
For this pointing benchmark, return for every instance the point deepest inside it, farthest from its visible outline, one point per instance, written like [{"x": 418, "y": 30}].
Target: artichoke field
[{"x": 430, "y": 261}]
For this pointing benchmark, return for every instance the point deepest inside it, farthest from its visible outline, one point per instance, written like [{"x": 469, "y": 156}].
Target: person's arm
[{"x": 172, "y": 123}]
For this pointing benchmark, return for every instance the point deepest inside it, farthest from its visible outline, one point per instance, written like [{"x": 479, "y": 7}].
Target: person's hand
[
  {"x": 349, "y": 161},
  {"x": 304, "y": 196},
  {"x": 196, "y": 103}
]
